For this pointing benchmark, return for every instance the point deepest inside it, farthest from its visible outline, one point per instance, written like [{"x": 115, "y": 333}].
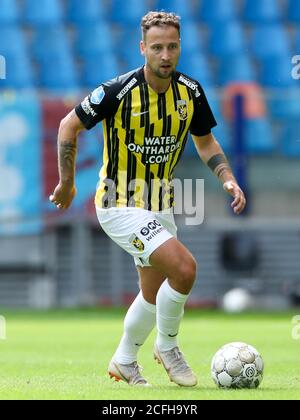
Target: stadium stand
[
  {"x": 76, "y": 44},
  {"x": 9, "y": 12},
  {"x": 43, "y": 12},
  {"x": 85, "y": 12},
  {"x": 262, "y": 11}
]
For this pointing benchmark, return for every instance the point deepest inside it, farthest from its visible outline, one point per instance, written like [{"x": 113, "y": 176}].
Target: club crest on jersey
[
  {"x": 182, "y": 110},
  {"x": 137, "y": 243}
]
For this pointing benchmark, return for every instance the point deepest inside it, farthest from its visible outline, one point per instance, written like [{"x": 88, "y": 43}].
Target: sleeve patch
[{"x": 97, "y": 95}]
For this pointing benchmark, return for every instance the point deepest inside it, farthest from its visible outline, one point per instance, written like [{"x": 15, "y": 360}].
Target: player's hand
[
  {"x": 63, "y": 196},
  {"x": 234, "y": 190}
]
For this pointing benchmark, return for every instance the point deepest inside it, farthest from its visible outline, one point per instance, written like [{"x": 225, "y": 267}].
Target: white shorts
[{"x": 139, "y": 232}]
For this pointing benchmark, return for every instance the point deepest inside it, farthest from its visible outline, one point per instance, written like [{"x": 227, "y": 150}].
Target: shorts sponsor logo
[
  {"x": 151, "y": 230},
  {"x": 97, "y": 95},
  {"x": 151, "y": 226},
  {"x": 137, "y": 243}
]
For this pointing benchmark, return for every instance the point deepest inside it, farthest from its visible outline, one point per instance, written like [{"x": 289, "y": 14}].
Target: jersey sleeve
[
  {"x": 98, "y": 105},
  {"x": 203, "y": 119}
]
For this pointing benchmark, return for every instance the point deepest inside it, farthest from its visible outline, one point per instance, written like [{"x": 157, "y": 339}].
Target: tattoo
[
  {"x": 219, "y": 164},
  {"x": 67, "y": 157}
]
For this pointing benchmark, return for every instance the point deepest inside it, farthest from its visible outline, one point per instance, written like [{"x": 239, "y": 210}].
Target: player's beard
[{"x": 162, "y": 74}]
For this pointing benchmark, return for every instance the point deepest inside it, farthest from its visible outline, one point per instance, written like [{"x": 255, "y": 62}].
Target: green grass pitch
[{"x": 64, "y": 354}]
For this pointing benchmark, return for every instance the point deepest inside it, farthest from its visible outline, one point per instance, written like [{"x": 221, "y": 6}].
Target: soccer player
[{"x": 147, "y": 114}]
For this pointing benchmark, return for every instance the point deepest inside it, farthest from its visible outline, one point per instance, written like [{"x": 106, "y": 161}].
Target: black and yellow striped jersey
[{"x": 144, "y": 136}]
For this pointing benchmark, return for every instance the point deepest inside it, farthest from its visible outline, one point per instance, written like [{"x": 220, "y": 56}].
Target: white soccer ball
[
  {"x": 237, "y": 365},
  {"x": 237, "y": 300}
]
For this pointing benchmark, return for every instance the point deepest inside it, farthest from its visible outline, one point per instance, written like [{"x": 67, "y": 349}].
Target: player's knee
[{"x": 187, "y": 272}]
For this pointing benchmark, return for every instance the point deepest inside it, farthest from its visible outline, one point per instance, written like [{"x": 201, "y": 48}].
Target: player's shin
[
  {"x": 138, "y": 324},
  {"x": 170, "y": 309}
]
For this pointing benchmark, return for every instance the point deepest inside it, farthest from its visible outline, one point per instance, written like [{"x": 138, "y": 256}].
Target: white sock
[
  {"x": 169, "y": 312},
  {"x": 138, "y": 324}
]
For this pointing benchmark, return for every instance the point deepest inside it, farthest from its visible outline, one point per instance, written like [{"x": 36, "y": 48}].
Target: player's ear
[{"x": 142, "y": 47}]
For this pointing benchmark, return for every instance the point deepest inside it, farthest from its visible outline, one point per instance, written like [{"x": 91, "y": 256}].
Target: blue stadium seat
[
  {"x": 9, "y": 11},
  {"x": 12, "y": 40},
  {"x": 222, "y": 131},
  {"x": 130, "y": 14},
  {"x": 182, "y": 8},
  {"x": 262, "y": 11},
  {"x": 87, "y": 11},
  {"x": 293, "y": 11},
  {"x": 285, "y": 106},
  {"x": 191, "y": 40},
  {"x": 218, "y": 11},
  {"x": 19, "y": 73},
  {"x": 58, "y": 72},
  {"x": 236, "y": 68},
  {"x": 290, "y": 141},
  {"x": 276, "y": 73},
  {"x": 42, "y": 12},
  {"x": 259, "y": 136},
  {"x": 197, "y": 67},
  {"x": 227, "y": 38},
  {"x": 99, "y": 68},
  {"x": 49, "y": 40},
  {"x": 94, "y": 38},
  {"x": 297, "y": 42},
  {"x": 131, "y": 57},
  {"x": 269, "y": 40}
]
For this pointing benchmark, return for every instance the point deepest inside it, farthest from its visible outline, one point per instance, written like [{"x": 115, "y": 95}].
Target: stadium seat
[
  {"x": 290, "y": 141},
  {"x": 262, "y": 11},
  {"x": 9, "y": 11},
  {"x": 227, "y": 38},
  {"x": 297, "y": 42},
  {"x": 99, "y": 68},
  {"x": 182, "y": 8},
  {"x": 130, "y": 14},
  {"x": 49, "y": 40},
  {"x": 131, "y": 57},
  {"x": 87, "y": 11},
  {"x": 222, "y": 131},
  {"x": 218, "y": 11},
  {"x": 269, "y": 40},
  {"x": 197, "y": 67},
  {"x": 259, "y": 137},
  {"x": 12, "y": 40},
  {"x": 42, "y": 12},
  {"x": 191, "y": 40},
  {"x": 94, "y": 38},
  {"x": 58, "y": 72},
  {"x": 19, "y": 73},
  {"x": 276, "y": 73},
  {"x": 284, "y": 106},
  {"x": 293, "y": 11},
  {"x": 235, "y": 68}
]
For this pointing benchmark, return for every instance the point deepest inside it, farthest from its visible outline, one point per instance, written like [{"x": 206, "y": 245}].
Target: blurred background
[{"x": 245, "y": 53}]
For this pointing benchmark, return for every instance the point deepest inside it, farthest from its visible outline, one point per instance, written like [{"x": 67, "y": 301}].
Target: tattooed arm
[
  {"x": 212, "y": 154},
  {"x": 65, "y": 191}
]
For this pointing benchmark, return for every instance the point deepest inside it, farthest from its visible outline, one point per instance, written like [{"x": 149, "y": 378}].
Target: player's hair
[{"x": 159, "y": 19}]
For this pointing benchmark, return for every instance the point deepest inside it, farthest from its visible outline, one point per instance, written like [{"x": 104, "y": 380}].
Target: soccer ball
[
  {"x": 237, "y": 365},
  {"x": 237, "y": 300}
]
